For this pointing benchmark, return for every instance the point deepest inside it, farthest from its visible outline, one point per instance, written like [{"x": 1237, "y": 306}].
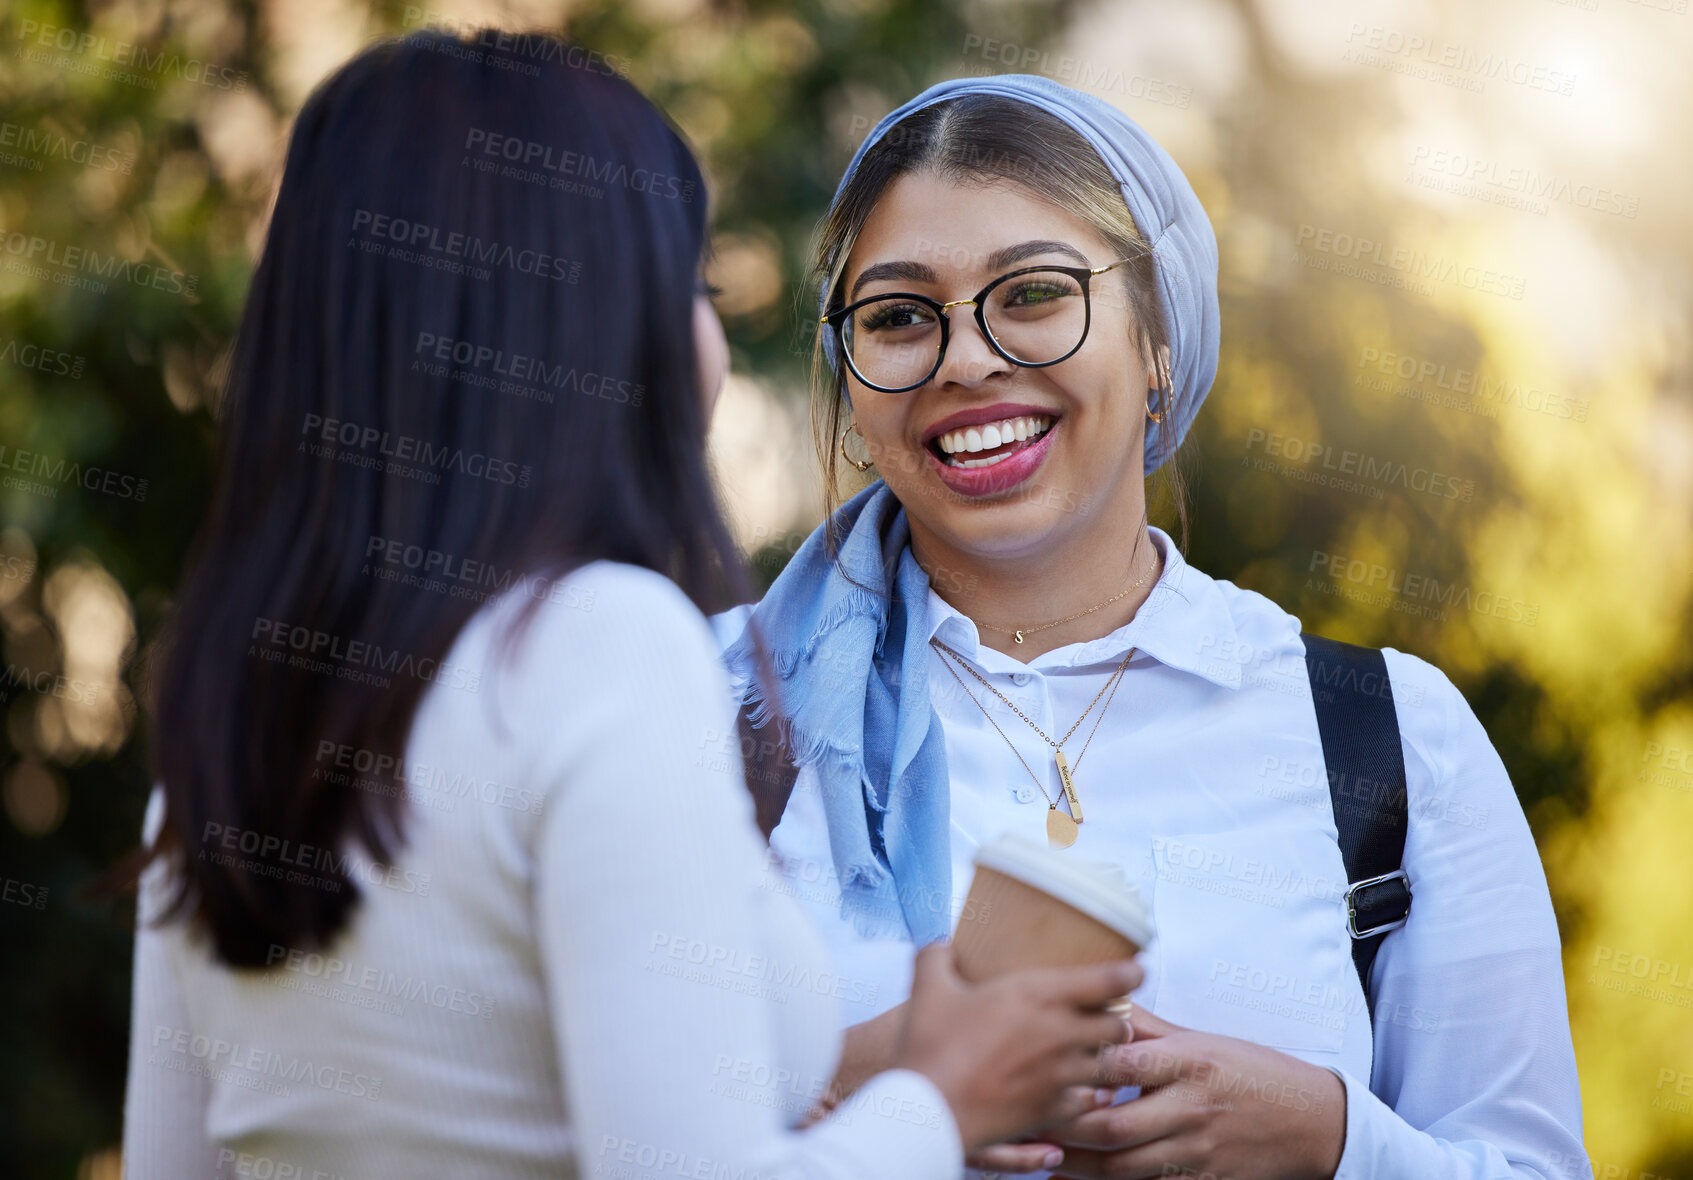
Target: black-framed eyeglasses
[{"x": 1034, "y": 317}]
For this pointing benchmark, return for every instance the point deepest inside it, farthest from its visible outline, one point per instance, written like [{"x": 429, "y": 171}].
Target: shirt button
[
  {"x": 1025, "y": 794},
  {"x": 1020, "y": 678}
]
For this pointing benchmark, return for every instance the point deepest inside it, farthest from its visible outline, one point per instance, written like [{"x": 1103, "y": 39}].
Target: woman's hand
[
  {"x": 1009, "y": 1053},
  {"x": 1209, "y": 1104}
]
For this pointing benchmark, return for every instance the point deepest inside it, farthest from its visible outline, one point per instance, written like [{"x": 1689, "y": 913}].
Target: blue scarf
[{"x": 849, "y": 641}]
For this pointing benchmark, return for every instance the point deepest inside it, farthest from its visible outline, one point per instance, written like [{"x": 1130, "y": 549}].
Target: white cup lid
[{"x": 1097, "y": 888}]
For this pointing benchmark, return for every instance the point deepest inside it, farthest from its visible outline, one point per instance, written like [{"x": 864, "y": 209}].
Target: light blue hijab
[{"x": 848, "y": 636}]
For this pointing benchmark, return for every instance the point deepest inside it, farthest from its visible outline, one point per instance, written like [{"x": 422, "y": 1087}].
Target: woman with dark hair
[
  {"x": 441, "y": 880},
  {"x": 1019, "y": 318}
]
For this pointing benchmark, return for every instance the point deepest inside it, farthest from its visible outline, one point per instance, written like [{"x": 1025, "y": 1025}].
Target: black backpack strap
[{"x": 1366, "y": 771}]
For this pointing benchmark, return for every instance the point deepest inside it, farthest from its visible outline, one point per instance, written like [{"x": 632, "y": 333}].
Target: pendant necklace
[{"x": 1060, "y": 828}]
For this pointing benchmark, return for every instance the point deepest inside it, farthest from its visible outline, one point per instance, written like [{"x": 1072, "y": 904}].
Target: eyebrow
[
  {"x": 914, "y": 272},
  {"x": 1011, "y": 255},
  {"x": 1007, "y": 256}
]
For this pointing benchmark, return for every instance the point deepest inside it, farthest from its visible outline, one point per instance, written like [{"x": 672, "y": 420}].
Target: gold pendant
[
  {"x": 1060, "y": 828},
  {"x": 1069, "y": 785},
  {"x": 1019, "y": 636}
]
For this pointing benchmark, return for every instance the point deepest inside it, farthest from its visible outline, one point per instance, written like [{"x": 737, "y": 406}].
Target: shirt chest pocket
[{"x": 1252, "y": 939}]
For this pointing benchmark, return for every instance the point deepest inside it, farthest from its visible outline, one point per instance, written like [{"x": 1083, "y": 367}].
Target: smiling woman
[
  {"x": 1037, "y": 319},
  {"x": 1000, "y": 591},
  {"x": 922, "y": 221}
]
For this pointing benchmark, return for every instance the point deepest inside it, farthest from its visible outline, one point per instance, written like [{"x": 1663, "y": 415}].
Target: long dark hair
[{"x": 466, "y": 363}]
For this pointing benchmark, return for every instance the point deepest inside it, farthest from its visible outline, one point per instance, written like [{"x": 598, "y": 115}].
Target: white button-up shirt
[{"x": 1205, "y": 780}]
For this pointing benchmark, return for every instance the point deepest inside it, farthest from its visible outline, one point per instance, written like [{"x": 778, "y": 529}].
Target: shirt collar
[{"x": 1184, "y": 624}]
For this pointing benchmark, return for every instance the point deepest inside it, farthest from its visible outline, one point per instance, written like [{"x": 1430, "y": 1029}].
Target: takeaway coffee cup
[{"x": 1032, "y": 906}]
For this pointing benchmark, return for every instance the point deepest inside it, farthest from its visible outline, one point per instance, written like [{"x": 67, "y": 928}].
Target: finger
[
  {"x": 1100, "y": 1032},
  {"x": 934, "y": 967},
  {"x": 1075, "y": 1101},
  {"x": 1016, "y": 1157},
  {"x": 1090, "y": 987},
  {"x": 1147, "y": 1025},
  {"x": 1147, "y": 1119},
  {"x": 1168, "y": 1156},
  {"x": 1156, "y": 1061},
  {"x": 1141, "y": 1163}
]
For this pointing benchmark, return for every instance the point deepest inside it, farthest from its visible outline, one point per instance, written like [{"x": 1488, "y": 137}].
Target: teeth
[{"x": 991, "y": 435}]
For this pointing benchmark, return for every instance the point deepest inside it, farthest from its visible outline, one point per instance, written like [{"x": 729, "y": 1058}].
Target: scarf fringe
[{"x": 856, "y": 603}]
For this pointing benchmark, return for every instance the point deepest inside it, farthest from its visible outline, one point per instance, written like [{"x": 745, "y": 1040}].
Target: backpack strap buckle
[{"x": 1380, "y": 904}]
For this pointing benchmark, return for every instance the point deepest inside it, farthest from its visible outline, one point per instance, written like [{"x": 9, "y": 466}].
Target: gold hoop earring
[
  {"x": 1156, "y": 416},
  {"x": 853, "y": 429}
]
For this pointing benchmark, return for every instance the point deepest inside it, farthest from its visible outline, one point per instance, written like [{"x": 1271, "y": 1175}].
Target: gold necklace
[
  {"x": 1017, "y": 633},
  {"x": 1060, "y": 828}
]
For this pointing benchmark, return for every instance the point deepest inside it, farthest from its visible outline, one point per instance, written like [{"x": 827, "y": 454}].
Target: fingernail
[
  {"x": 1052, "y": 1159},
  {"x": 1103, "y": 1097}
]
